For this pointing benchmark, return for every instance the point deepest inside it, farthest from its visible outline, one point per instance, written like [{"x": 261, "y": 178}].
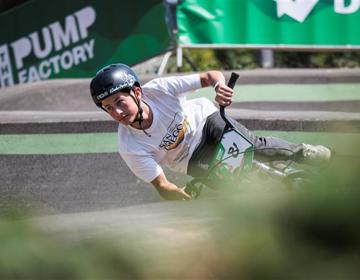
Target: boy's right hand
[{"x": 223, "y": 94}]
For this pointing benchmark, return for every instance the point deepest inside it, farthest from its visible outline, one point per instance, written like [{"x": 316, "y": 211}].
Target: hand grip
[
  {"x": 232, "y": 81},
  {"x": 233, "y": 78}
]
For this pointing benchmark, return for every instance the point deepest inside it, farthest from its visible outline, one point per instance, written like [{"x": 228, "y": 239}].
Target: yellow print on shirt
[{"x": 175, "y": 134}]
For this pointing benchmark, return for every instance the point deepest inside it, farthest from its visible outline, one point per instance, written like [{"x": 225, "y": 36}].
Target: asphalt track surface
[{"x": 52, "y": 163}]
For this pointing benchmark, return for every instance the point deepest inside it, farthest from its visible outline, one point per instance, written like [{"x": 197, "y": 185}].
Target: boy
[{"x": 159, "y": 127}]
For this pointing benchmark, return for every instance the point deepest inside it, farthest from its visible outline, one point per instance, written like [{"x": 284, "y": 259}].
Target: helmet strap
[{"x": 139, "y": 117}]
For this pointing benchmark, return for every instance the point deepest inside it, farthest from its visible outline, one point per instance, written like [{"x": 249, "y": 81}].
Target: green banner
[
  {"x": 270, "y": 23},
  {"x": 64, "y": 38}
]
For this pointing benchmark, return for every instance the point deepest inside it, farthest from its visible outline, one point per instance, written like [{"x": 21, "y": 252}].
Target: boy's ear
[{"x": 137, "y": 91}]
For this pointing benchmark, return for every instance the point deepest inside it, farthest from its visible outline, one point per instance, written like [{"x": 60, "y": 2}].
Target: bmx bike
[{"x": 233, "y": 162}]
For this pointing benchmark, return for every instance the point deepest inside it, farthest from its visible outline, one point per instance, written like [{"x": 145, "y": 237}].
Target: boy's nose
[{"x": 118, "y": 111}]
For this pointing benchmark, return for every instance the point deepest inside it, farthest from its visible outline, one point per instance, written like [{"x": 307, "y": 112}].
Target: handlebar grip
[
  {"x": 231, "y": 84},
  {"x": 232, "y": 81}
]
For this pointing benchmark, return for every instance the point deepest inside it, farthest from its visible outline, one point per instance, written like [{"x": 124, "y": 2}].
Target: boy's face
[{"x": 121, "y": 107}]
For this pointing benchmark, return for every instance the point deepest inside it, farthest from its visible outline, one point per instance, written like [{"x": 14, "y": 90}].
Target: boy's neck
[{"x": 147, "y": 117}]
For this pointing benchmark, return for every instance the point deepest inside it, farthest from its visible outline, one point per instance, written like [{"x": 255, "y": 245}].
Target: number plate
[{"x": 233, "y": 157}]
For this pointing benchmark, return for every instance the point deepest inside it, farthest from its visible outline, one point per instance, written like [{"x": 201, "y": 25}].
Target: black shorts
[{"x": 211, "y": 136}]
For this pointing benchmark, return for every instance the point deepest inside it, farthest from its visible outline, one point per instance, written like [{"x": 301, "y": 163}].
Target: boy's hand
[
  {"x": 223, "y": 94},
  {"x": 185, "y": 195},
  {"x": 168, "y": 190}
]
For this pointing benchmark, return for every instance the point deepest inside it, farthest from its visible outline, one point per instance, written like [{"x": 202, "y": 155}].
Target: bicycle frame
[
  {"x": 234, "y": 154},
  {"x": 234, "y": 159}
]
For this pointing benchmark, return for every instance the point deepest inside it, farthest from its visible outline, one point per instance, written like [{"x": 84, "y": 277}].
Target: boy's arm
[
  {"x": 168, "y": 190},
  {"x": 211, "y": 78},
  {"x": 216, "y": 79}
]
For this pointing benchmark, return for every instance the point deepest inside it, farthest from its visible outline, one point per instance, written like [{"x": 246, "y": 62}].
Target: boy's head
[{"x": 110, "y": 80}]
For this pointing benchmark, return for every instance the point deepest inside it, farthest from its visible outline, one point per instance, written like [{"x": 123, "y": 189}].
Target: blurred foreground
[{"x": 260, "y": 232}]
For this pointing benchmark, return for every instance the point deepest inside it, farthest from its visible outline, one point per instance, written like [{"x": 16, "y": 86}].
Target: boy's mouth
[{"x": 122, "y": 118}]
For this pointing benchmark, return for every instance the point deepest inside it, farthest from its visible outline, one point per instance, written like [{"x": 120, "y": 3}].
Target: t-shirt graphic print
[{"x": 175, "y": 133}]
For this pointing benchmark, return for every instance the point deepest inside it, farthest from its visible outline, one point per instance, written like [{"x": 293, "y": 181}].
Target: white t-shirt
[{"x": 175, "y": 132}]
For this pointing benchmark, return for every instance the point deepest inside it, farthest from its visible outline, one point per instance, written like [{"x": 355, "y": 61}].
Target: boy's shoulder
[
  {"x": 173, "y": 84},
  {"x": 172, "y": 79}
]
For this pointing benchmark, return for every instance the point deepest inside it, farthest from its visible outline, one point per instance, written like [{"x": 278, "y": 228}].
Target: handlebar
[
  {"x": 231, "y": 84},
  {"x": 191, "y": 188}
]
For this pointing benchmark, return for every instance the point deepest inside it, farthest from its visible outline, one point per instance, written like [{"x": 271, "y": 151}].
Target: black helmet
[{"x": 110, "y": 80}]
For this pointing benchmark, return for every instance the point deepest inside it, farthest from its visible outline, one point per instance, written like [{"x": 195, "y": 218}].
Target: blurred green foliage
[
  {"x": 205, "y": 59},
  {"x": 262, "y": 231},
  {"x": 28, "y": 253},
  {"x": 312, "y": 233},
  {"x": 238, "y": 59},
  {"x": 317, "y": 60}
]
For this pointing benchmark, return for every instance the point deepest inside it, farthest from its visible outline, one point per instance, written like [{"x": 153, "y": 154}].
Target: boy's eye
[{"x": 119, "y": 103}]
